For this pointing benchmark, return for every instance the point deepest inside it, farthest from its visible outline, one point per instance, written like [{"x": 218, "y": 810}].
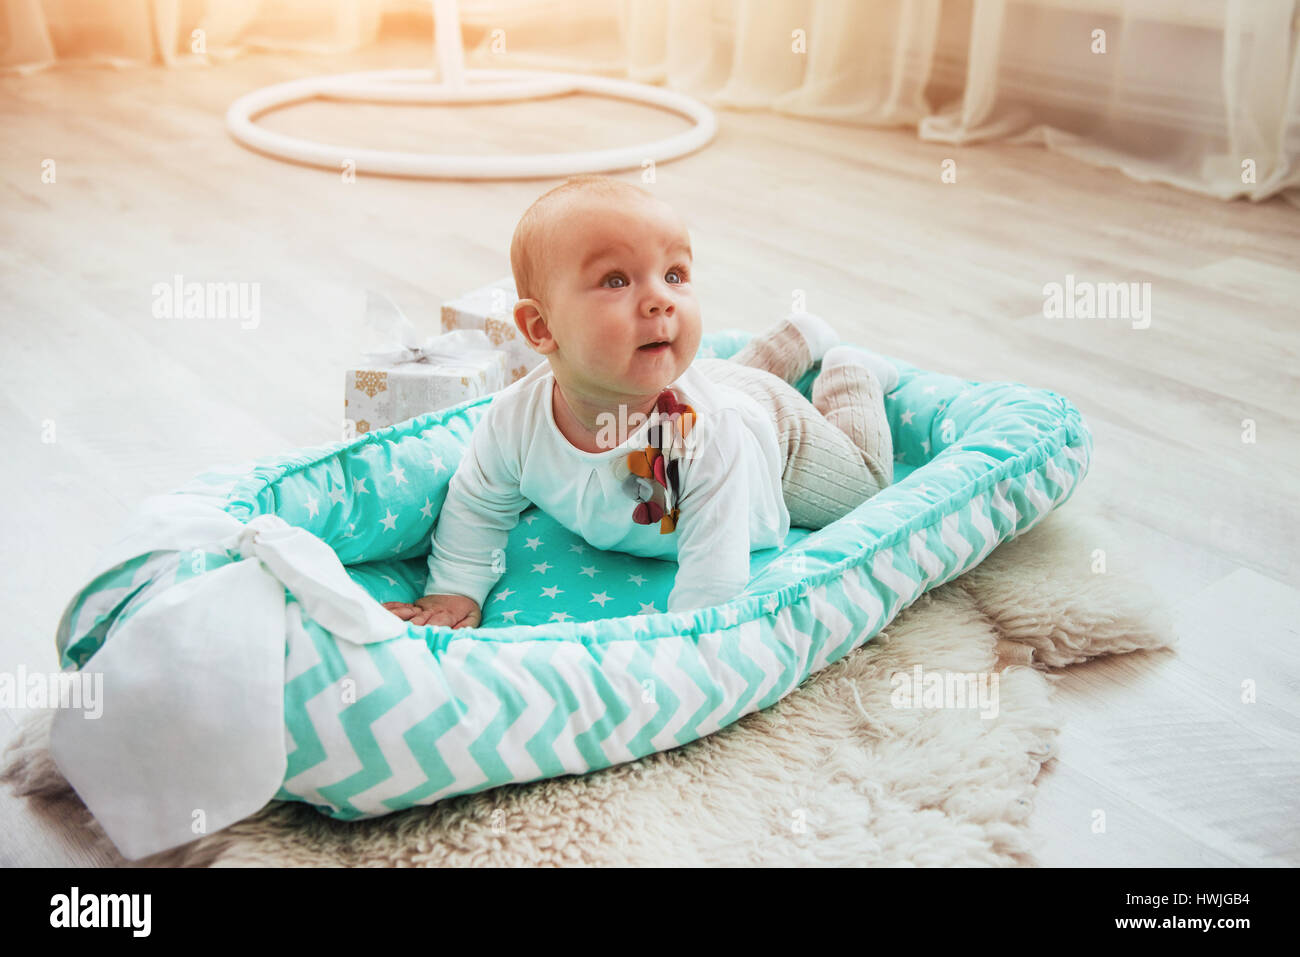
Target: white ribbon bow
[
  {"x": 191, "y": 738},
  {"x": 401, "y": 343}
]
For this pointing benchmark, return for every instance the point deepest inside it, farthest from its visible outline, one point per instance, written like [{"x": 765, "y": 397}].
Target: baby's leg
[
  {"x": 844, "y": 454},
  {"x": 850, "y": 397},
  {"x": 789, "y": 348},
  {"x": 825, "y": 474}
]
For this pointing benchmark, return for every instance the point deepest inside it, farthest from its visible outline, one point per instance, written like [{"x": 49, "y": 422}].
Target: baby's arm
[
  {"x": 713, "y": 550},
  {"x": 469, "y": 541}
]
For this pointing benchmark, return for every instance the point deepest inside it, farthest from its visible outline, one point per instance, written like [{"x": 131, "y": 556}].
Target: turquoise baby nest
[{"x": 576, "y": 666}]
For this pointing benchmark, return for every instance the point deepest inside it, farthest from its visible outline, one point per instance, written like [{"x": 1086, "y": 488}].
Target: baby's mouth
[{"x": 653, "y": 346}]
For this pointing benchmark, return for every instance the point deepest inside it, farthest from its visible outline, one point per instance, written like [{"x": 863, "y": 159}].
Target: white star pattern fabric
[{"x": 565, "y": 581}]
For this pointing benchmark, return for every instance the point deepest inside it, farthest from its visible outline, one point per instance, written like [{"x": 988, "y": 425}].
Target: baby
[{"x": 731, "y": 457}]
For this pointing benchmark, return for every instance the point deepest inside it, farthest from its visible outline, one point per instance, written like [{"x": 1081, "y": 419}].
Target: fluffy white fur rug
[{"x": 831, "y": 775}]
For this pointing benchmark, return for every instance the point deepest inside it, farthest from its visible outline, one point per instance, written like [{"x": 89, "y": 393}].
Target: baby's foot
[
  {"x": 817, "y": 332},
  {"x": 885, "y": 372}
]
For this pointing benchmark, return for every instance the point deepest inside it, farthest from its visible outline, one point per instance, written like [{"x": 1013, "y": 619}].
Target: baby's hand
[{"x": 455, "y": 611}]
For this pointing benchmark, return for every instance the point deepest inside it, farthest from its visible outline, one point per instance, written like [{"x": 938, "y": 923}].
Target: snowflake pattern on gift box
[
  {"x": 371, "y": 383},
  {"x": 498, "y": 331}
]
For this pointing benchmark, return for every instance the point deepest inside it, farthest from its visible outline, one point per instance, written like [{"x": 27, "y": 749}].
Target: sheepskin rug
[{"x": 834, "y": 774}]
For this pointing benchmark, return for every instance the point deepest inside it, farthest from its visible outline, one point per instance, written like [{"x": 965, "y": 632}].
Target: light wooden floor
[{"x": 948, "y": 277}]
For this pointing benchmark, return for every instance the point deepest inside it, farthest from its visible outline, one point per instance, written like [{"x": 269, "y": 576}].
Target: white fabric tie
[{"x": 191, "y": 738}]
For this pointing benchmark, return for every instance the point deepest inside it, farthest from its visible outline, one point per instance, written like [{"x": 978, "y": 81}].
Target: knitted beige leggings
[{"x": 837, "y": 449}]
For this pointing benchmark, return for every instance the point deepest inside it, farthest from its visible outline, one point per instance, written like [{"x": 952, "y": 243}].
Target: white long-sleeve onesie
[{"x": 730, "y": 504}]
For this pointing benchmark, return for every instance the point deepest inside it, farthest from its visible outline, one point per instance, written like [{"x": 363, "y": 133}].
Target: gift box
[
  {"x": 490, "y": 310},
  {"x": 406, "y": 377}
]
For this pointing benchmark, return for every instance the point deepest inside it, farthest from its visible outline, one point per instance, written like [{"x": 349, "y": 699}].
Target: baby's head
[{"x": 602, "y": 269}]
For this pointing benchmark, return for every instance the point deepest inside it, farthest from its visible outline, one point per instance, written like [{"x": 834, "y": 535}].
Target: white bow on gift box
[{"x": 400, "y": 342}]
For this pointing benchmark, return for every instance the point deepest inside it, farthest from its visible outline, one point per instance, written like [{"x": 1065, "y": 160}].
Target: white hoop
[{"x": 396, "y": 86}]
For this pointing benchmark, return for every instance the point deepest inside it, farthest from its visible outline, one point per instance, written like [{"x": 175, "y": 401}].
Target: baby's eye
[
  {"x": 615, "y": 275},
  {"x": 680, "y": 272}
]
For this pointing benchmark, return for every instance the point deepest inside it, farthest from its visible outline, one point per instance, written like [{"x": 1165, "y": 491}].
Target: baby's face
[{"x": 620, "y": 281}]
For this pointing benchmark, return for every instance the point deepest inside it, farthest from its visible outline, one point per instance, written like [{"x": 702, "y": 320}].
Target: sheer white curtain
[
  {"x": 35, "y": 34},
  {"x": 1200, "y": 94}
]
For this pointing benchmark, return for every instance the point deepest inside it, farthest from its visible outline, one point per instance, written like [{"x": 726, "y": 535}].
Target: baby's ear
[{"x": 533, "y": 327}]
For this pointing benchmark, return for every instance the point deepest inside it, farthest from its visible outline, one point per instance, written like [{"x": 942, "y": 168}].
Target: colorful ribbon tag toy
[{"x": 652, "y": 476}]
